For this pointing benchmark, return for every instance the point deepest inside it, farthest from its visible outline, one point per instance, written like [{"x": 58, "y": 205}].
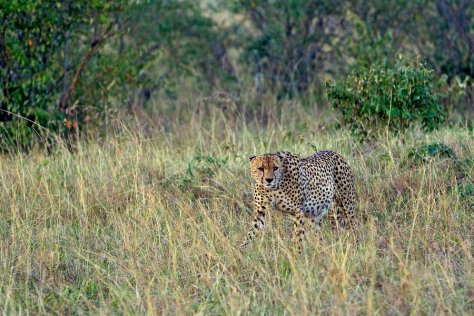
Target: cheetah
[{"x": 306, "y": 187}]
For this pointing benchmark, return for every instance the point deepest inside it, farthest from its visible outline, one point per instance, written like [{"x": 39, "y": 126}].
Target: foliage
[
  {"x": 171, "y": 41},
  {"x": 368, "y": 45},
  {"x": 444, "y": 36},
  {"x": 426, "y": 152},
  {"x": 290, "y": 41},
  {"x": 456, "y": 94},
  {"x": 68, "y": 66},
  {"x": 34, "y": 60},
  {"x": 449, "y": 28},
  {"x": 68, "y": 63},
  {"x": 377, "y": 98},
  {"x": 202, "y": 167}
]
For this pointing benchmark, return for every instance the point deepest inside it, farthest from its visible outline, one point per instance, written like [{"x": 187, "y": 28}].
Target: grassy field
[{"x": 152, "y": 224}]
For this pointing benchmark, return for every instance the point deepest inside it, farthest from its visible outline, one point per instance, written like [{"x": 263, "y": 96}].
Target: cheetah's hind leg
[{"x": 344, "y": 212}]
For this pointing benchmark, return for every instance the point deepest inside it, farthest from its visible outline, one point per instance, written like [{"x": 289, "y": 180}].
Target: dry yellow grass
[{"x": 152, "y": 225}]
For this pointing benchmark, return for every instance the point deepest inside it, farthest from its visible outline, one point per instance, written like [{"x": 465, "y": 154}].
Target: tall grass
[{"x": 152, "y": 224}]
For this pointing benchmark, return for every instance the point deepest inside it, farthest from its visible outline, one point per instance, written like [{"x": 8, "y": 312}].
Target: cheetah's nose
[{"x": 268, "y": 180}]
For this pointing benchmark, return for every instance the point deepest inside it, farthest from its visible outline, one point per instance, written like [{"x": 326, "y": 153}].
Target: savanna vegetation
[{"x": 125, "y": 128}]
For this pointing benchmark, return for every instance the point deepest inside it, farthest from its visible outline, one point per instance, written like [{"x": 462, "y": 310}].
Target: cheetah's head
[{"x": 267, "y": 170}]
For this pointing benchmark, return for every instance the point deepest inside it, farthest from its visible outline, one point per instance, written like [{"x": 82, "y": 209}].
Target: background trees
[{"x": 64, "y": 65}]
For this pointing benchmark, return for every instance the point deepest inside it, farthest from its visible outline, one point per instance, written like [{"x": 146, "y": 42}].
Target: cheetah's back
[{"x": 328, "y": 183}]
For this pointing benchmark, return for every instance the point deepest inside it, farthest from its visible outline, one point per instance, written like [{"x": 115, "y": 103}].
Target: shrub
[
  {"x": 427, "y": 152},
  {"x": 379, "y": 98},
  {"x": 202, "y": 167}
]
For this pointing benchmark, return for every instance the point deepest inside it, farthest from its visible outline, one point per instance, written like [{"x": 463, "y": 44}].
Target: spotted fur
[{"x": 306, "y": 187}]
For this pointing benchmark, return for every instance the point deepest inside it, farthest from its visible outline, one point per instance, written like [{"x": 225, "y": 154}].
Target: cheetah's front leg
[
  {"x": 260, "y": 205},
  {"x": 298, "y": 226}
]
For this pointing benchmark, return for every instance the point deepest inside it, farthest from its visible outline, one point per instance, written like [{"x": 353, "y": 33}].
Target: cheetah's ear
[
  {"x": 252, "y": 157},
  {"x": 281, "y": 155}
]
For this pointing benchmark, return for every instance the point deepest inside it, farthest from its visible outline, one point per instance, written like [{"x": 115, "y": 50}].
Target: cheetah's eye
[
  {"x": 275, "y": 168},
  {"x": 260, "y": 168}
]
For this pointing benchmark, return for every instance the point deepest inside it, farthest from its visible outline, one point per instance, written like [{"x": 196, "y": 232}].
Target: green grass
[{"x": 138, "y": 224}]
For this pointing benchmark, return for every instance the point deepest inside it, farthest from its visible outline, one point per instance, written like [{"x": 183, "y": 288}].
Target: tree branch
[{"x": 95, "y": 44}]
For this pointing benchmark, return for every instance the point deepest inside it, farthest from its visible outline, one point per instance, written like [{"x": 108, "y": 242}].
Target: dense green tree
[
  {"x": 44, "y": 48},
  {"x": 63, "y": 63}
]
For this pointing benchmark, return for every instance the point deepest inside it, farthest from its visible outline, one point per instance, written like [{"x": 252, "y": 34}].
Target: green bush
[
  {"x": 426, "y": 152},
  {"x": 378, "y": 98}
]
